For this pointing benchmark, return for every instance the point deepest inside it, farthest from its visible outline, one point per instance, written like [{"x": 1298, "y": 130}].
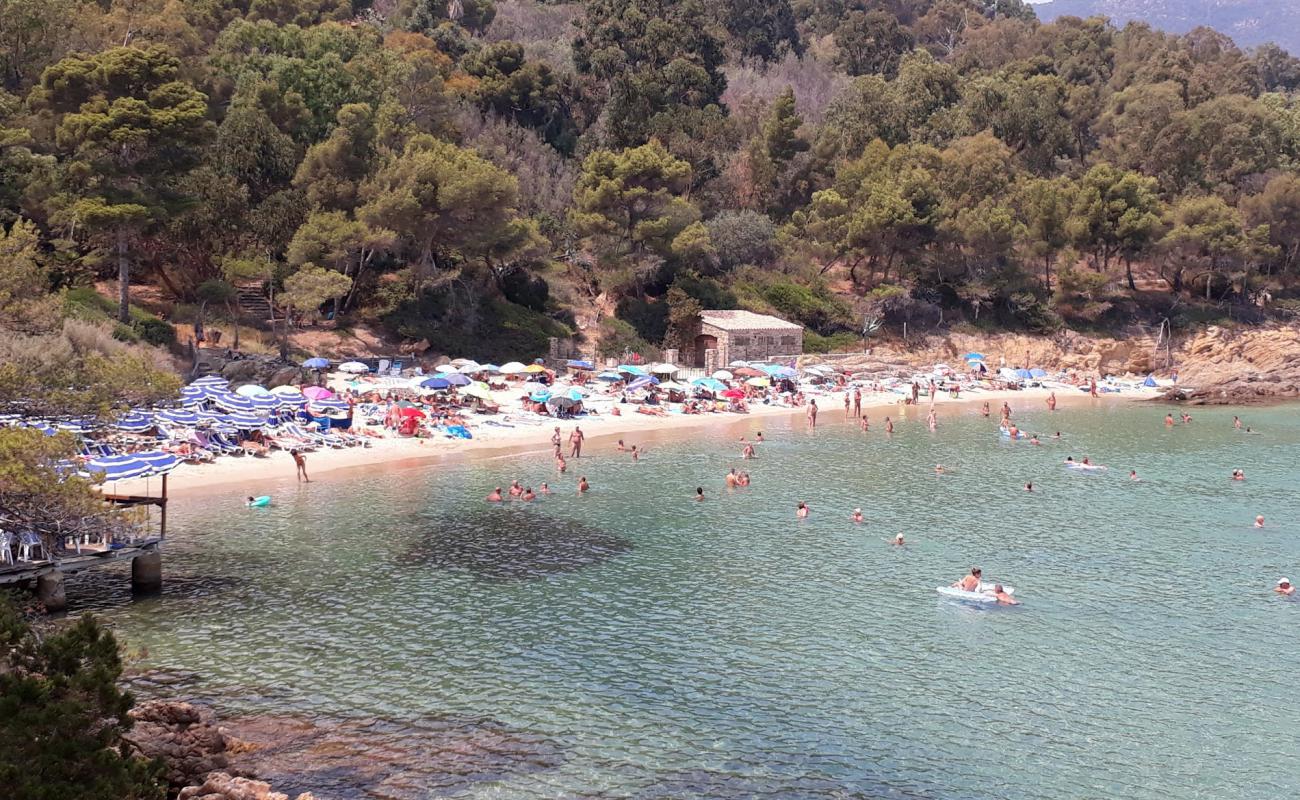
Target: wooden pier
[{"x": 143, "y": 551}]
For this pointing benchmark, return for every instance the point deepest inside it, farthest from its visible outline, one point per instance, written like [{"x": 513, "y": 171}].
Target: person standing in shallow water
[
  {"x": 1051, "y": 402},
  {"x": 575, "y": 443},
  {"x": 857, "y": 401},
  {"x": 300, "y": 463},
  {"x": 812, "y": 415}
]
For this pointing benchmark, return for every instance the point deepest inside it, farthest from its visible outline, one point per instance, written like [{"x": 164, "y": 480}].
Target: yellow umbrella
[
  {"x": 534, "y": 368},
  {"x": 477, "y": 389},
  {"x": 758, "y": 382}
]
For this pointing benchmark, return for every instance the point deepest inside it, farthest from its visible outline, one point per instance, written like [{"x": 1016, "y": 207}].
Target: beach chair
[
  {"x": 28, "y": 542},
  {"x": 383, "y": 366}
]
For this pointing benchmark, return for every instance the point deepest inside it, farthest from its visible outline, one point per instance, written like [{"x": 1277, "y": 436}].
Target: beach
[{"x": 260, "y": 476}]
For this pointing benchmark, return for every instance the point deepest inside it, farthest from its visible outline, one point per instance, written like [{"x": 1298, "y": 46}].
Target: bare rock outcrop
[
  {"x": 184, "y": 736},
  {"x": 221, "y": 786}
]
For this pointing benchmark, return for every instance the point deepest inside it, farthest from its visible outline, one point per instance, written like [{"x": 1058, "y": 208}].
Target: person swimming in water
[
  {"x": 1133, "y": 475},
  {"x": 1259, "y": 520},
  {"x": 802, "y": 510},
  {"x": 1056, "y": 435},
  {"x": 889, "y": 425},
  {"x": 699, "y": 493},
  {"x": 583, "y": 486},
  {"x": 1069, "y": 460},
  {"x": 545, "y": 489},
  {"x": 528, "y": 495},
  {"x": 857, "y": 515},
  {"x": 985, "y": 409},
  {"x": 515, "y": 488},
  {"x": 1029, "y": 487},
  {"x": 1004, "y": 597},
  {"x": 897, "y": 540},
  {"x": 938, "y": 469},
  {"x": 748, "y": 452},
  {"x": 971, "y": 582},
  {"x": 742, "y": 479},
  {"x": 1169, "y": 420},
  {"x": 1034, "y": 439},
  {"x": 495, "y": 495},
  {"x": 1236, "y": 422},
  {"x": 759, "y": 437},
  {"x": 732, "y": 479},
  {"x": 1238, "y": 475},
  {"x": 1284, "y": 587},
  {"x": 636, "y": 454},
  {"x": 620, "y": 447}
]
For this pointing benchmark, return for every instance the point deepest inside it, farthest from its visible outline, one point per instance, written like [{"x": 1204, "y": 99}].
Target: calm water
[{"x": 639, "y": 644}]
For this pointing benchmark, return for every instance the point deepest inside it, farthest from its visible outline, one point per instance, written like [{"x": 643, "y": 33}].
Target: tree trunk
[
  {"x": 234, "y": 317},
  {"x": 1128, "y": 273},
  {"x": 1047, "y": 272},
  {"x": 123, "y": 280}
]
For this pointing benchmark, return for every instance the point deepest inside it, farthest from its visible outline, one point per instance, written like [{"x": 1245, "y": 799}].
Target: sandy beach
[{"x": 260, "y": 476}]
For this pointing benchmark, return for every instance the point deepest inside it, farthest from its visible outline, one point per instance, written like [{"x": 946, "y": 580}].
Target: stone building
[{"x": 727, "y": 336}]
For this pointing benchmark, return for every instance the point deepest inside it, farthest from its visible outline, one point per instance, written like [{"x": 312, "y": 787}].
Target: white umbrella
[
  {"x": 723, "y": 375},
  {"x": 354, "y": 367},
  {"x": 664, "y": 369},
  {"x": 470, "y": 368},
  {"x": 738, "y": 364},
  {"x": 673, "y": 386},
  {"x": 252, "y": 390},
  {"x": 512, "y": 368},
  {"x": 287, "y": 391},
  {"x": 460, "y": 362}
]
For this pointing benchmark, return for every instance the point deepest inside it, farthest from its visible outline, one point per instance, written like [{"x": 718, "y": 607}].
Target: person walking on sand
[
  {"x": 848, "y": 405},
  {"x": 575, "y": 443},
  {"x": 1092, "y": 387},
  {"x": 300, "y": 462},
  {"x": 916, "y": 391},
  {"x": 1051, "y": 402},
  {"x": 555, "y": 440},
  {"x": 812, "y": 415},
  {"x": 857, "y": 401}
]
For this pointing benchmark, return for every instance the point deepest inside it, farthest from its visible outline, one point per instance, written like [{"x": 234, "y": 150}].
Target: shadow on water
[
  {"x": 719, "y": 785},
  {"x": 511, "y": 544},
  {"x": 110, "y": 587},
  {"x": 342, "y": 759}
]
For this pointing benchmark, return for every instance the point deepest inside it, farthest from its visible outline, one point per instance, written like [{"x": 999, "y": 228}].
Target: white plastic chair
[{"x": 6, "y": 540}]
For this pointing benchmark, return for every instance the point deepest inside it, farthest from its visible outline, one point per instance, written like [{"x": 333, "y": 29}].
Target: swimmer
[
  {"x": 971, "y": 582},
  {"x": 1284, "y": 587},
  {"x": 759, "y": 437},
  {"x": 1012, "y": 430},
  {"x": 636, "y": 454},
  {"x": 620, "y": 447},
  {"x": 560, "y": 463},
  {"x": 938, "y": 469},
  {"x": 1236, "y": 422},
  {"x": 1069, "y": 459},
  {"x": 1029, "y": 487},
  {"x": 748, "y": 452},
  {"x": 1133, "y": 475},
  {"x": 857, "y": 515},
  {"x": 528, "y": 495},
  {"x": 889, "y": 425},
  {"x": 1002, "y": 597},
  {"x": 1187, "y": 418},
  {"x": 865, "y": 424},
  {"x": 583, "y": 486},
  {"x": 742, "y": 479},
  {"x": 1086, "y": 462},
  {"x": 1238, "y": 475},
  {"x": 699, "y": 493},
  {"x": 516, "y": 489},
  {"x": 1169, "y": 420},
  {"x": 985, "y": 409},
  {"x": 1259, "y": 520},
  {"x": 545, "y": 489},
  {"x": 1034, "y": 439},
  {"x": 1056, "y": 435},
  {"x": 802, "y": 510},
  {"x": 897, "y": 540},
  {"x": 732, "y": 478},
  {"x": 495, "y": 496}
]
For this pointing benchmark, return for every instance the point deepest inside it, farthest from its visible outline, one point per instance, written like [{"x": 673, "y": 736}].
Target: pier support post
[
  {"x": 146, "y": 572},
  {"x": 49, "y": 590}
]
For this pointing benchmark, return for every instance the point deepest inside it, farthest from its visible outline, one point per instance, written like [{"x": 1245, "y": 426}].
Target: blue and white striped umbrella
[
  {"x": 134, "y": 422},
  {"x": 262, "y": 403},
  {"x": 229, "y": 401},
  {"x": 212, "y": 381},
  {"x": 456, "y": 379},
  {"x": 316, "y": 363},
  {"x": 328, "y": 405},
  {"x": 118, "y": 467},
  {"x": 178, "y": 416},
  {"x": 73, "y": 426},
  {"x": 246, "y": 421},
  {"x": 197, "y": 395},
  {"x": 160, "y": 463}
]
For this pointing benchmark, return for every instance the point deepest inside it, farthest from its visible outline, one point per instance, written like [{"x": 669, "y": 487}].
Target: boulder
[
  {"x": 184, "y": 736},
  {"x": 221, "y": 786}
]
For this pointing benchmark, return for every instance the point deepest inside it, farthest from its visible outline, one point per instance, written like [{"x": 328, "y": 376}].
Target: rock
[
  {"x": 221, "y": 786},
  {"x": 183, "y": 735}
]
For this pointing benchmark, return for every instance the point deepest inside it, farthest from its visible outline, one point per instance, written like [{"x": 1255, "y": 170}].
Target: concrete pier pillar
[
  {"x": 49, "y": 590},
  {"x": 146, "y": 572}
]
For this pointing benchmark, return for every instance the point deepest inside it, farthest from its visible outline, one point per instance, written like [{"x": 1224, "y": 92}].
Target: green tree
[
  {"x": 1044, "y": 205},
  {"x": 781, "y": 136},
  {"x": 1209, "y": 239},
  {"x": 871, "y": 43},
  {"x": 1277, "y": 207},
  {"x": 683, "y": 318},
  {"x": 62, "y": 715},
  {"x": 1116, "y": 213},
  {"x": 330, "y": 239},
  {"x": 762, "y": 29},
  {"x": 527, "y": 92},
  {"x": 428, "y": 15},
  {"x": 305, "y": 291},
  {"x": 27, "y": 303},
  {"x": 128, "y": 127}
]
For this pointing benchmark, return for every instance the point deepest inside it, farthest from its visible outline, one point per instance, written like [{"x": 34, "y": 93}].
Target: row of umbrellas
[{"x": 460, "y": 366}]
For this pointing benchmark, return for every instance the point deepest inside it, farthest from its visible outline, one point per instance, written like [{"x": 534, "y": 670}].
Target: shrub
[
  {"x": 814, "y": 342},
  {"x": 154, "y": 331},
  {"x": 618, "y": 337},
  {"x": 125, "y": 333}
]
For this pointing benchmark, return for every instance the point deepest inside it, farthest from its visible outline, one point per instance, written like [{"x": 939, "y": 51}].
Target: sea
[{"x": 636, "y": 643}]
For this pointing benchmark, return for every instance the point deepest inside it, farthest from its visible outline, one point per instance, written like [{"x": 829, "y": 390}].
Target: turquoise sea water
[{"x": 639, "y": 644}]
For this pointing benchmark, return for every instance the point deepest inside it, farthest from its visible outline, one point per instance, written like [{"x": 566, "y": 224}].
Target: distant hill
[{"x": 1248, "y": 22}]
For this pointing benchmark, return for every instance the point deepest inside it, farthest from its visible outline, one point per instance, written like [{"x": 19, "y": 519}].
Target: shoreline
[{"x": 276, "y": 471}]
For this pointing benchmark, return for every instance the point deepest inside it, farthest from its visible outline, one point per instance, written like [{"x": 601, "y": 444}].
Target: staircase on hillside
[{"x": 253, "y": 303}]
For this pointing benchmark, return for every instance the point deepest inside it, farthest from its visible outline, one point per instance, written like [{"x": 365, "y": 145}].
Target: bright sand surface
[{"x": 262, "y": 476}]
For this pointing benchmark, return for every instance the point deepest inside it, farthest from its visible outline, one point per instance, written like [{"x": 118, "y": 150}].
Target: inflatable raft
[
  {"x": 1005, "y": 433},
  {"x": 984, "y": 595},
  {"x": 259, "y": 502}
]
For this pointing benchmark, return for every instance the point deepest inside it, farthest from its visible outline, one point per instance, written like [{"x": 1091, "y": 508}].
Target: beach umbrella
[
  {"x": 479, "y": 390},
  {"x": 118, "y": 467},
  {"x": 759, "y": 382},
  {"x": 578, "y": 390},
  {"x": 673, "y": 386},
  {"x": 609, "y": 376},
  {"x": 246, "y": 421},
  {"x": 631, "y": 369},
  {"x": 266, "y": 402},
  {"x": 436, "y": 384},
  {"x": 973, "y": 357},
  {"x": 134, "y": 422},
  {"x": 252, "y": 390},
  {"x": 579, "y": 364},
  {"x": 160, "y": 463},
  {"x": 1038, "y": 373},
  {"x": 735, "y": 364},
  {"x": 784, "y": 372},
  {"x": 353, "y": 367},
  {"x": 286, "y": 391},
  {"x": 74, "y": 425},
  {"x": 723, "y": 375},
  {"x": 178, "y": 416},
  {"x": 492, "y": 368},
  {"x": 712, "y": 384},
  {"x": 456, "y": 379},
  {"x": 199, "y": 394},
  {"x": 663, "y": 369},
  {"x": 749, "y": 372},
  {"x": 316, "y": 363},
  {"x": 329, "y": 404},
  {"x": 512, "y": 368},
  {"x": 229, "y": 401},
  {"x": 539, "y": 396},
  {"x": 534, "y": 386},
  {"x": 534, "y": 369},
  {"x": 733, "y": 394},
  {"x": 411, "y": 412},
  {"x": 1024, "y": 374},
  {"x": 42, "y": 426},
  {"x": 470, "y": 369},
  {"x": 460, "y": 362},
  {"x": 211, "y": 381},
  {"x": 643, "y": 382},
  {"x": 317, "y": 393}
]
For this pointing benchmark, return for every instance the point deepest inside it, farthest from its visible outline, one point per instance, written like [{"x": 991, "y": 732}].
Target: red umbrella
[
  {"x": 411, "y": 412},
  {"x": 748, "y": 372},
  {"x": 734, "y": 394}
]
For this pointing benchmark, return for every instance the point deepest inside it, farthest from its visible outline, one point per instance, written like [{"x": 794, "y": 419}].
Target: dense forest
[{"x": 485, "y": 175}]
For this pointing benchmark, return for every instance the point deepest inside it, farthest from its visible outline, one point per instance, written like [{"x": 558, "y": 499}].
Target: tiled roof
[{"x": 746, "y": 321}]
